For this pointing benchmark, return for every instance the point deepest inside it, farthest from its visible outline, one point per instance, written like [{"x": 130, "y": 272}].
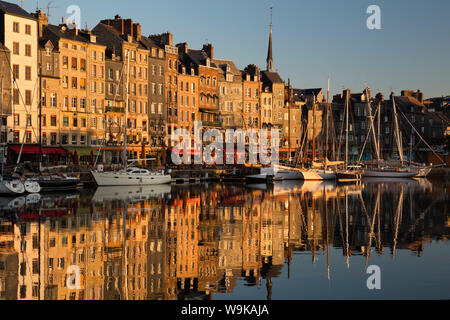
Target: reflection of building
[
  {"x": 9, "y": 263},
  {"x": 202, "y": 241}
]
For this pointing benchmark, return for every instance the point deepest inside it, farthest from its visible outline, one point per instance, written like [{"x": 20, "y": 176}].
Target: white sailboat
[
  {"x": 129, "y": 176},
  {"x": 385, "y": 171}
]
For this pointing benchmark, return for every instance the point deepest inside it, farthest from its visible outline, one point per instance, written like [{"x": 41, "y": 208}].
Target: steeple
[{"x": 269, "y": 53}]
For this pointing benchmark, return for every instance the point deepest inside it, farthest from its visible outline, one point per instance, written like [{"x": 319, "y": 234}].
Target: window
[
  {"x": 110, "y": 74},
  {"x": 16, "y": 96},
  {"x": 66, "y": 121},
  {"x": 53, "y": 100},
  {"x": 16, "y": 71},
  {"x": 74, "y": 82},
  {"x": 74, "y": 103},
  {"x": 16, "y": 27},
  {"x": 48, "y": 52},
  {"x": 53, "y": 121},
  {"x": 74, "y": 63},
  {"x": 28, "y": 50},
  {"x": 28, "y": 97},
  {"x": 83, "y": 64},
  {"x": 16, "y": 47},
  {"x": 27, "y": 29},
  {"x": 27, "y": 73},
  {"x": 65, "y": 62}
]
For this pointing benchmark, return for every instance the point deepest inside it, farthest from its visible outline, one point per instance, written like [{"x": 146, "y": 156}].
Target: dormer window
[
  {"x": 208, "y": 62},
  {"x": 48, "y": 52}
]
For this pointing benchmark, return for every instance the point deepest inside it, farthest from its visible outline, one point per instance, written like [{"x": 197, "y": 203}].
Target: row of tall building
[
  {"x": 201, "y": 242},
  {"x": 66, "y": 87}
]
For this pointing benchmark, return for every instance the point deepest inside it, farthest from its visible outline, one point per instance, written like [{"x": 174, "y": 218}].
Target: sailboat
[
  {"x": 349, "y": 173},
  {"x": 132, "y": 176},
  {"x": 317, "y": 172},
  {"x": 386, "y": 171}
]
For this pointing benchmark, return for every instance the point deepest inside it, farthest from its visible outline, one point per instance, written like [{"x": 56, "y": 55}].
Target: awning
[{"x": 34, "y": 149}]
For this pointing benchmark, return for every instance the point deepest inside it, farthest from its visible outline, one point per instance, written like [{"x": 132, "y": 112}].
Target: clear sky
[{"x": 312, "y": 39}]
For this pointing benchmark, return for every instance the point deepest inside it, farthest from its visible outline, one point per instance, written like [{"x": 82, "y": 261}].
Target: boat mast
[
  {"x": 125, "y": 136},
  {"x": 346, "y": 128},
  {"x": 314, "y": 131},
  {"x": 397, "y": 132},
  {"x": 379, "y": 130},
  {"x": 326, "y": 116}
]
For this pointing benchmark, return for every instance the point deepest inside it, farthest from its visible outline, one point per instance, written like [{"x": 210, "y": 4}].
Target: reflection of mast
[
  {"x": 398, "y": 217},
  {"x": 124, "y": 254},
  {"x": 346, "y": 230},
  {"x": 269, "y": 286},
  {"x": 326, "y": 223},
  {"x": 371, "y": 224}
]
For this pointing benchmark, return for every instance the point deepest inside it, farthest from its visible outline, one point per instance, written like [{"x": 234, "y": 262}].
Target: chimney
[
  {"x": 209, "y": 50},
  {"x": 123, "y": 26},
  {"x": 183, "y": 47},
  {"x": 137, "y": 31},
  {"x": 42, "y": 19}
]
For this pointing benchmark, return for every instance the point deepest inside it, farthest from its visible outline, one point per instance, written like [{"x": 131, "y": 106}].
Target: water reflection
[{"x": 193, "y": 242}]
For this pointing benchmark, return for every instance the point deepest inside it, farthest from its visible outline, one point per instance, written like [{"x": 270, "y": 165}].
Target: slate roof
[
  {"x": 307, "y": 92},
  {"x": 11, "y": 8},
  {"x": 199, "y": 57},
  {"x": 222, "y": 65},
  {"x": 271, "y": 77}
]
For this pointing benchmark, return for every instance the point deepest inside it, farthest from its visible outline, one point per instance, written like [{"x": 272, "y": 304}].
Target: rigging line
[
  {"x": 108, "y": 116},
  {"x": 367, "y": 137},
  {"x": 432, "y": 150}
]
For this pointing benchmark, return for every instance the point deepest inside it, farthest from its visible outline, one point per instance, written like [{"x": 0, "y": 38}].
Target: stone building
[
  {"x": 19, "y": 34},
  {"x": 251, "y": 97},
  {"x": 230, "y": 95},
  {"x": 208, "y": 72},
  {"x": 188, "y": 98},
  {"x": 122, "y": 38},
  {"x": 171, "y": 63},
  {"x": 158, "y": 109},
  {"x": 77, "y": 105},
  {"x": 5, "y": 92}
]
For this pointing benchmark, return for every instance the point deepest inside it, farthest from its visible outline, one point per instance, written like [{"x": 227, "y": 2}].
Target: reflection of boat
[
  {"x": 12, "y": 203},
  {"x": 11, "y": 187},
  {"x": 130, "y": 193}
]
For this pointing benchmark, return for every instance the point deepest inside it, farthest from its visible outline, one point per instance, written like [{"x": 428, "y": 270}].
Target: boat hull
[
  {"x": 12, "y": 187},
  {"x": 52, "y": 185},
  {"x": 105, "y": 179},
  {"x": 389, "y": 174}
]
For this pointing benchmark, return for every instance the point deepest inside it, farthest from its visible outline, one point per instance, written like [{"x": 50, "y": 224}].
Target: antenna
[{"x": 271, "y": 13}]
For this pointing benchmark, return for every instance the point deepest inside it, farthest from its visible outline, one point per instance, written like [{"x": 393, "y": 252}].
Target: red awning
[{"x": 34, "y": 149}]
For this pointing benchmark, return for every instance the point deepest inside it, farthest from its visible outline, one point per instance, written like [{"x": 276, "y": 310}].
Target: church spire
[{"x": 269, "y": 53}]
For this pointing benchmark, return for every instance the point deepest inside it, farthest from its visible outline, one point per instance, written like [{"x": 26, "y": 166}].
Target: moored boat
[{"x": 11, "y": 187}]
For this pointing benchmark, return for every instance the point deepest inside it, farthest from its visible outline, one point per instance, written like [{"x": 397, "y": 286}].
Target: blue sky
[{"x": 312, "y": 39}]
